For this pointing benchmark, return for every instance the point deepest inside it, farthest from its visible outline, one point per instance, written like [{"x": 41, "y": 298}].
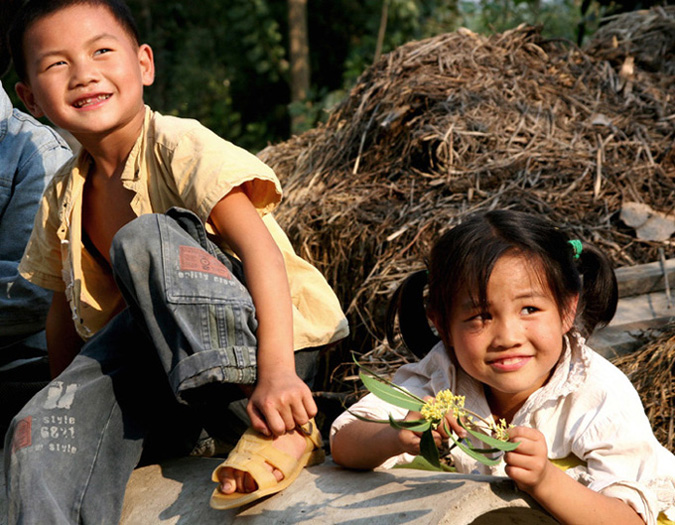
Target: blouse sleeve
[{"x": 624, "y": 460}]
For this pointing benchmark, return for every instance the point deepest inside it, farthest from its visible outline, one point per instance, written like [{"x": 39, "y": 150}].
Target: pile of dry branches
[
  {"x": 461, "y": 122},
  {"x": 652, "y": 371}
]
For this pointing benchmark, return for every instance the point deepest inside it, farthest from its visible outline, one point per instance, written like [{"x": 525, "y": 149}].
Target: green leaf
[
  {"x": 419, "y": 463},
  {"x": 429, "y": 450},
  {"x": 376, "y": 376},
  {"x": 475, "y": 454},
  {"x": 505, "y": 446},
  {"x": 414, "y": 425},
  {"x": 390, "y": 394},
  {"x": 367, "y": 419}
]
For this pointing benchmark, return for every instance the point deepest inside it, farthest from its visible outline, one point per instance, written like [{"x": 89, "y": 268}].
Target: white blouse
[{"x": 588, "y": 408}]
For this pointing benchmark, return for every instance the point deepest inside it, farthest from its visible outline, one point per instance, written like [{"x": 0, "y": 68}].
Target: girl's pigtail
[
  {"x": 407, "y": 303},
  {"x": 600, "y": 293}
]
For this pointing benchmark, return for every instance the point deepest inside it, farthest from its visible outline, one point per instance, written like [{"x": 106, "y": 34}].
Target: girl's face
[{"x": 513, "y": 345}]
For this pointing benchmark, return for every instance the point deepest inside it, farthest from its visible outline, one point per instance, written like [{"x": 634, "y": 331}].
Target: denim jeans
[{"x": 158, "y": 373}]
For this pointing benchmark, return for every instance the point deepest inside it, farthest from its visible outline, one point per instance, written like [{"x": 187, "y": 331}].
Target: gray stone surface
[{"x": 177, "y": 493}]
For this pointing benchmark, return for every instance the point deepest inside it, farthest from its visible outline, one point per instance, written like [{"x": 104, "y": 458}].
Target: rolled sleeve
[{"x": 206, "y": 167}]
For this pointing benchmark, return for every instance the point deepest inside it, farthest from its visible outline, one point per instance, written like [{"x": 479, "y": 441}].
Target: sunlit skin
[{"x": 86, "y": 75}]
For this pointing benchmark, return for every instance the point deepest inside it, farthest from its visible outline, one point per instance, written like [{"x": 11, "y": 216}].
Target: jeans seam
[{"x": 93, "y": 464}]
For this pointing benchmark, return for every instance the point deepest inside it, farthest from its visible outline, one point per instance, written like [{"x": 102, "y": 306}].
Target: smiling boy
[{"x": 123, "y": 237}]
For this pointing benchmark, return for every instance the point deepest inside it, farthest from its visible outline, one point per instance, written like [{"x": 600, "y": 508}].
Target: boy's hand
[
  {"x": 280, "y": 403},
  {"x": 528, "y": 465}
]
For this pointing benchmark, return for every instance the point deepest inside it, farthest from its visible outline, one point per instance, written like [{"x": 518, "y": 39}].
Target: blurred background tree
[{"x": 255, "y": 71}]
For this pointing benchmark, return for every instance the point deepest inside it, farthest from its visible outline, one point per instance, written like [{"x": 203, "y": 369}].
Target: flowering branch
[{"x": 433, "y": 411}]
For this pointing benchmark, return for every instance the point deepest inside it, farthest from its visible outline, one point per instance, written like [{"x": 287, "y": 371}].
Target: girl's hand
[
  {"x": 528, "y": 465},
  {"x": 453, "y": 425},
  {"x": 410, "y": 441}
]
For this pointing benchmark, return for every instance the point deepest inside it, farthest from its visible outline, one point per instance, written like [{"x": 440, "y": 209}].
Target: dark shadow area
[{"x": 514, "y": 516}]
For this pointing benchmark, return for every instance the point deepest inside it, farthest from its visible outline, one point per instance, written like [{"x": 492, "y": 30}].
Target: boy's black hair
[
  {"x": 34, "y": 10},
  {"x": 465, "y": 256}
]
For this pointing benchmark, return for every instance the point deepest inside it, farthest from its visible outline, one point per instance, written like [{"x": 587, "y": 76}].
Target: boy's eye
[
  {"x": 102, "y": 51},
  {"x": 54, "y": 64}
]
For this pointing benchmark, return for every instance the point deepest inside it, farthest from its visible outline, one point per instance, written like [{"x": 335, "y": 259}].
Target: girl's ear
[
  {"x": 25, "y": 93},
  {"x": 570, "y": 313},
  {"x": 440, "y": 328}
]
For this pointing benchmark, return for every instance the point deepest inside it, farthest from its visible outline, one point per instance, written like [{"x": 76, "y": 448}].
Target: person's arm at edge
[
  {"x": 365, "y": 446},
  {"x": 280, "y": 400},
  {"x": 63, "y": 342},
  {"x": 566, "y": 499}
]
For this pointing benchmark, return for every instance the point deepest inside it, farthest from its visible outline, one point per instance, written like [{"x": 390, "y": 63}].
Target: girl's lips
[{"x": 510, "y": 364}]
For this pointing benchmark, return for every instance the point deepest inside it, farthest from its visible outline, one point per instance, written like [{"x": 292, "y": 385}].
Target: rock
[
  {"x": 177, "y": 492},
  {"x": 650, "y": 225}
]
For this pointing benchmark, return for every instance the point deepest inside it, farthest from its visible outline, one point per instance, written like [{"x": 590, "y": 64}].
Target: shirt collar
[{"x": 132, "y": 168}]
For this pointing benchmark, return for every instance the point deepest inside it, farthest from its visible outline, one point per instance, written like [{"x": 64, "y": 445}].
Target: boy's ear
[
  {"x": 25, "y": 93},
  {"x": 570, "y": 313},
  {"x": 147, "y": 63}
]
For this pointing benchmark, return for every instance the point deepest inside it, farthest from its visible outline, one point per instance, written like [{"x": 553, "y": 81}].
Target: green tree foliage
[
  {"x": 225, "y": 62},
  {"x": 221, "y": 62}
]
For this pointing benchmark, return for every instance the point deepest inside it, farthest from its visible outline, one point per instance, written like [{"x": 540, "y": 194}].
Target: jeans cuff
[{"x": 234, "y": 364}]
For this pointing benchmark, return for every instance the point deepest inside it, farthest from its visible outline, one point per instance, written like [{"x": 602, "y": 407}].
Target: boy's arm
[
  {"x": 565, "y": 498},
  {"x": 280, "y": 400},
  {"x": 63, "y": 342}
]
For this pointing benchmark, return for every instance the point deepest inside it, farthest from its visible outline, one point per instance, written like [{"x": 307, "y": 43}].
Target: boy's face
[{"x": 85, "y": 73}]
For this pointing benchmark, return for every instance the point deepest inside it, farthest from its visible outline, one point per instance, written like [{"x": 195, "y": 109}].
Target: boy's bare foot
[{"x": 292, "y": 443}]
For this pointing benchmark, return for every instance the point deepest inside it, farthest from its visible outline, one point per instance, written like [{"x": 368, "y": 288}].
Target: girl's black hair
[
  {"x": 33, "y": 10},
  {"x": 465, "y": 256}
]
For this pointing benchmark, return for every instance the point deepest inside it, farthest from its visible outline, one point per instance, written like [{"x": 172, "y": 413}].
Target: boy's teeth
[{"x": 90, "y": 100}]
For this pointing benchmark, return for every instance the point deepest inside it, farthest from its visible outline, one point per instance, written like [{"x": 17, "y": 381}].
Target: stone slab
[{"x": 177, "y": 493}]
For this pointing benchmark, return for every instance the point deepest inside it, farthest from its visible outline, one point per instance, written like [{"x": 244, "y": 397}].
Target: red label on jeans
[
  {"x": 197, "y": 260},
  {"x": 22, "y": 434}
]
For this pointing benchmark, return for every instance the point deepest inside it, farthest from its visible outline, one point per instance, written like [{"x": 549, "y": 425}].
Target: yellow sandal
[{"x": 250, "y": 455}]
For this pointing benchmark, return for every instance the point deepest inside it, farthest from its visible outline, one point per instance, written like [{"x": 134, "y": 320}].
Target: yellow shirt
[{"x": 175, "y": 162}]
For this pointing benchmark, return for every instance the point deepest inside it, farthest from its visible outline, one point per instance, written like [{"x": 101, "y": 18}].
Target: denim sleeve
[{"x": 28, "y": 161}]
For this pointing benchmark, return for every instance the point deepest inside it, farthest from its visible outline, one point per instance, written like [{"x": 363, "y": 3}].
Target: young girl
[{"x": 513, "y": 298}]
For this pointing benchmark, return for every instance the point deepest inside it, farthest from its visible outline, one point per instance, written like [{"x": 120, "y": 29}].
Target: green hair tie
[{"x": 576, "y": 246}]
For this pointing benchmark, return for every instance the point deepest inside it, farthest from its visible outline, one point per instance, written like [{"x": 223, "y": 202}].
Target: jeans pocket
[{"x": 194, "y": 276}]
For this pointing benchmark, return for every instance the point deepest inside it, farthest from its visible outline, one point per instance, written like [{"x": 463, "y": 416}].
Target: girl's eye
[
  {"x": 530, "y": 309},
  {"x": 480, "y": 317}
]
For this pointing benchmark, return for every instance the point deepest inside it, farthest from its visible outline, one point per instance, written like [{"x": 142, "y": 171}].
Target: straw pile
[
  {"x": 443, "y": 127},
  {"x": 652, "y": 371}
]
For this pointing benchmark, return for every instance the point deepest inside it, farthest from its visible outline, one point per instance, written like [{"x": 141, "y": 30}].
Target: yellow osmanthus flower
[
  {"x": 501, "y": 430},
  {"x": 435, "y": 409}
]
